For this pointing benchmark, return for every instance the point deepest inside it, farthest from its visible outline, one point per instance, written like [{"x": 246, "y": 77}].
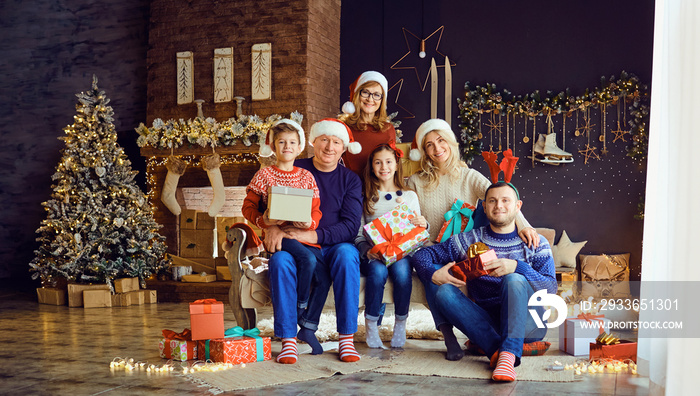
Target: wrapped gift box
[
  {"x": 120, "y": 300},
  {"x": 457, "y": 220},
  {"x": 135, "y": 297},
  {"x": 150, "y": 296},
  {"x": 51, "y": 296},
  {"x": 290, "y": 204},
  {"x": 97, "y": 298},
  {"x": 75, "y": 292},
  {"x": 237, "y": 349},
  {"x": 473, "y": 267},
  {"x": 123, "y": 285},
  {"x": 177, "y": 346},
  {"x": 622, "y": 351},
  {"x": 394, "y": 236},
  {"x": 575, "y": 338},
  {"x": 197, "y": 243},
  {"x": 201, "y": 278},
  {"x": 188, "y": 219},
  {"x": 207, "y": 319},
  {"x": 204, "y": 221}
]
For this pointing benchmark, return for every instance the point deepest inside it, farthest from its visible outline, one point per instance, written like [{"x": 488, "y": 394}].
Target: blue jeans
[
  {"x": 338, "y": 265},
  {"x": 305, "y": 259},
  {"x": 503, "y": 327},
  {"x": 376, "y": 274}
]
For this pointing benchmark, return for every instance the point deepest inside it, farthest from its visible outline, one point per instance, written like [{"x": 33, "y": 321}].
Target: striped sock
[
  {"x": 347, "y": 348},
  {"x": 289, "y": 353},
  {"x": 505, "y": 370}
]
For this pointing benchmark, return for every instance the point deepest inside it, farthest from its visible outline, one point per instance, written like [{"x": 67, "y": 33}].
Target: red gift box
[
  {"x": 622, "y": 351},
  {"x": 238, "y": 347},
  {"x": 473, "y": 267},
  {"x": 457, "y": 220},
  {"x": 207, "y": 319}
]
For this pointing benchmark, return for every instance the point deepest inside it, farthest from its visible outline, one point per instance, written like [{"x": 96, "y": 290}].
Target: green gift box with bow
[{"x": 238, "y": 346}]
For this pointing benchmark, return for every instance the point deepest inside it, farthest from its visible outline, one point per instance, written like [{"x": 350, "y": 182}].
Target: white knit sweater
[{"x": 470, "y": 186}]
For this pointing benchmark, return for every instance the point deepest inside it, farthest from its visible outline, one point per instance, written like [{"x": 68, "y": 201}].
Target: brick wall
[{"x": 305, "y": 38}]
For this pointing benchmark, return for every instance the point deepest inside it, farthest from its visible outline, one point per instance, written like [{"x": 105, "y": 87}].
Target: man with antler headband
[{"x": 496, "y": 318}]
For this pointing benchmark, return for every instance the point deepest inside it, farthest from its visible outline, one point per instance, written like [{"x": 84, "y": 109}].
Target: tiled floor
[{"x": 56, "y": 350}]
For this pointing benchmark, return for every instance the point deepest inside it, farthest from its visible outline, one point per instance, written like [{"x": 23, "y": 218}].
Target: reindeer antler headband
[{"x": 507, "y": 166}]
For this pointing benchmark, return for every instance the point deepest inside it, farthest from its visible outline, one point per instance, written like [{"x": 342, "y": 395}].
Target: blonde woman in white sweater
[{"x": 442, "y": 178}]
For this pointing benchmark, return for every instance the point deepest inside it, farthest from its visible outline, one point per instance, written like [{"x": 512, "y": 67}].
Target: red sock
[
  {"x": 289, "y": 354},
  {"x": 347, "y": 349},
  {"x": 505, "y": 369}
]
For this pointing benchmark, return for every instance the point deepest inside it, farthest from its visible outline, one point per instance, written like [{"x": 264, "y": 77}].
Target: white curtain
[{"x": 672, "y": 216}]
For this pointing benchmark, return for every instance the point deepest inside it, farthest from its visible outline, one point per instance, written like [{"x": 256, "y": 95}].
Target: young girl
[
  {"x": 286, "y": 138},
  {"x": 384, "y": 189}
]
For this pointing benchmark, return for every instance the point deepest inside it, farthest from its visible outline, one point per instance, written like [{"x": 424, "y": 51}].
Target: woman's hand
[
  {"x": 443, "y": 276},
  {"x": 530, "y": 237},
  {"x": 419, "y": 221}
]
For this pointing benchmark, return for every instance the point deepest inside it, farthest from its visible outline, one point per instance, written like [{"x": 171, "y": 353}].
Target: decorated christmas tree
[{"x": 99, "y": 224}]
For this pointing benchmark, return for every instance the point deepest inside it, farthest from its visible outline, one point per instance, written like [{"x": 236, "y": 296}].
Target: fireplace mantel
[{"x": 199, "y": 150}]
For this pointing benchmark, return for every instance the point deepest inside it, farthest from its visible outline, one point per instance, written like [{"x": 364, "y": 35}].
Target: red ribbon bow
[
  {"x": 392, "y": 241},
  {"x": 186, "y": 335},
  {"x": 207, "y": 302},
  {"x": 589, "y": 317},
  {"x": 398, "y": 151}
]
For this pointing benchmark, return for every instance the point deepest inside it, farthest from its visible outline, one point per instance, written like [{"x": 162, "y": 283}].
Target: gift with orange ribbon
[
  {"x": 207, "y": 319},
  {"x": 473, "y": 267},
  {"x": 457, "y": 220},
  {"x": 394, "y": 236},
  {"x": 575, "y": 337},
  {"x": 178, "y": 346}
]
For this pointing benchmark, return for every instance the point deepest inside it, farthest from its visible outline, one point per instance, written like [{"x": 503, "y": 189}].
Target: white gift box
[
  {"x": 290, "y": 204},
  {"x": 576, "y": 334}
]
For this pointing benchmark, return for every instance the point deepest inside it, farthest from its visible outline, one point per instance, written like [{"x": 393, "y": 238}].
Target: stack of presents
[
  {"x": 199, "y": 235},
  {"x": 207, "y": 340},
  {"x": 126, "y": 293}
]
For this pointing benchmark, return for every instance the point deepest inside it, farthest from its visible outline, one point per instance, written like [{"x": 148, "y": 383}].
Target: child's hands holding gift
[
  {"x": 302, "y": 225},
  {"x": 419, "y": 221}
]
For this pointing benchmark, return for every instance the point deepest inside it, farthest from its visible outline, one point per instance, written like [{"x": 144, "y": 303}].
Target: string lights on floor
[{"x": 130, "y": 365}]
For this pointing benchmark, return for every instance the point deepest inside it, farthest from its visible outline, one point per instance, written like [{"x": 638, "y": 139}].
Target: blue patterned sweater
[{"x": 536, "y": 265}]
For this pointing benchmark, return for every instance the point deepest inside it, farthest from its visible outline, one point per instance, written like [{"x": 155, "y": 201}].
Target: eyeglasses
[{"x": 366, "y": 94}]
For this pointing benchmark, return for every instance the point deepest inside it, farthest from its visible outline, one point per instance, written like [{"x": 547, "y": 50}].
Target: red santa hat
[
  {"x": 266, "y": 149},
  {"x": 337, "y": 128},
  {"x": 434, "y": 124},
  {"x": 348, "y": 107}
]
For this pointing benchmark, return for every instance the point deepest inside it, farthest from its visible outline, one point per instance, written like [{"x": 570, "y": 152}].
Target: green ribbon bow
[
  {"x": 454, "y": 217},
  {"x": 239, "y": 332}
]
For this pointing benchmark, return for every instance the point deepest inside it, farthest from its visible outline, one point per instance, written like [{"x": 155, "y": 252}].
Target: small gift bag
[
  {"x": 457, "y": 220},
  {"x": 394, "y": 236},
  {"x": 473, "y": 267}
]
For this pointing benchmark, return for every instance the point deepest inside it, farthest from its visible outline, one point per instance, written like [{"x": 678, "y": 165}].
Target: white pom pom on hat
[
  {"x": 266, "y": 149},
  {"x": 337, "y": 128},
  {"x": 349, "y": 107},
  {"x": 434, "y": 124}
]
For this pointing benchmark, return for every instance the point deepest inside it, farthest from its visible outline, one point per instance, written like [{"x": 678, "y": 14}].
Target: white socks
[
  {"x": 373, "y": 340},
  {"x": 398, "y": 340}
]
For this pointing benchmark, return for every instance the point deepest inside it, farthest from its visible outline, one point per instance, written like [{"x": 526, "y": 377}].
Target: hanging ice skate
[{"x": 546, "y": 150}]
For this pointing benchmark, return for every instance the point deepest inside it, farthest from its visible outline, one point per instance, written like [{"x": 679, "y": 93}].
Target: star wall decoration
[
  {"x": 396, "y": 101},
  {"x": 426, "y": 65},
  {"x": 619, "y": 133},
  {"x": 586, "y": 128},
  {"x": 589, "y": 153}
]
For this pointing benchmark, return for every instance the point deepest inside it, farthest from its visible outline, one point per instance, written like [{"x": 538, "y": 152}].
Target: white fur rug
[{"x": 419, "y": 325}]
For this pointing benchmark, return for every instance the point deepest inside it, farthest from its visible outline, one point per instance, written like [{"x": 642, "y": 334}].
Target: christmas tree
[{"x": 99, "y": 223}]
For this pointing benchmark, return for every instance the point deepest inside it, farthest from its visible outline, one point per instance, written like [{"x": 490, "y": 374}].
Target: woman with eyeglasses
[{"x": 366, "y": 116}]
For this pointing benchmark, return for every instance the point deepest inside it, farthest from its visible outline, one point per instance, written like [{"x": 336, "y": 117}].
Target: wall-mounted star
[
  {"x": 423, "y": 65},
  {"x": 396, "y": 101},
  {"x": 589, "y": 153},
  {"x": 619, "y": 133},
  {"x": 494, "y": 126},
  {"x": 586, "y": 128}
]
